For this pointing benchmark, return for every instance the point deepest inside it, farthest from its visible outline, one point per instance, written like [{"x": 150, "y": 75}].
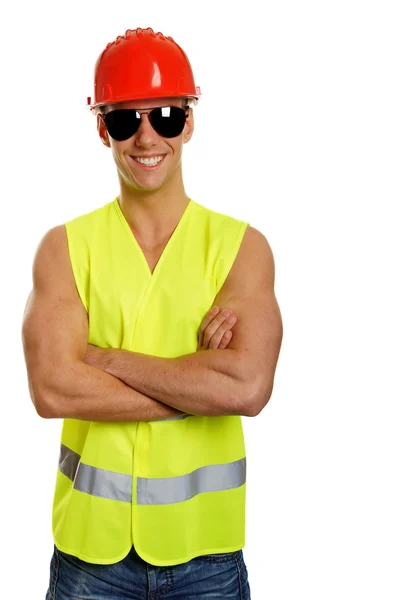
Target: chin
[{"x": 151, "y": 187}]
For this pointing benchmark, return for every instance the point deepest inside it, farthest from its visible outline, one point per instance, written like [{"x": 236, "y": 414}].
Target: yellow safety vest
[{"x": 174, "y": 488}]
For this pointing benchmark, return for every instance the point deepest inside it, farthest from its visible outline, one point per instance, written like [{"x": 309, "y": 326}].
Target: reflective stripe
[
  {"x": 171, "y": 418},
  {"x": 212, "y": 478},
  {"x": 103, "y": 483},
  {"x": 95, "y": 481},
  {"x": 68, "y": 461},
  {"x": 157, "y": 490}
]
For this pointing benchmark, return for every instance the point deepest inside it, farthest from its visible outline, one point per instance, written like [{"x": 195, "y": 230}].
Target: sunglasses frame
[{"x": 145, "y": 111}]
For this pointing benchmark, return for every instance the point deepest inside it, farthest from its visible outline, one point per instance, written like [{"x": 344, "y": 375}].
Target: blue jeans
[{"x": 212, "y": 576}]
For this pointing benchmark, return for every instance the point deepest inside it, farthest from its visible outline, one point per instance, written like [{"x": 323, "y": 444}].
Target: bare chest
[{"x": 153, "y": 254}]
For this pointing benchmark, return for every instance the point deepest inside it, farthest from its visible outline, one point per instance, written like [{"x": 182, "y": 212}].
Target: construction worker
[{"x": 127, "y": 337}]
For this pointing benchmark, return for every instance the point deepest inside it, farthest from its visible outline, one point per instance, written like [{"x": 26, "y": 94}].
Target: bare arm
[
  {"x": 55, "y": 339},
  {"x": 202, "y": 383}
]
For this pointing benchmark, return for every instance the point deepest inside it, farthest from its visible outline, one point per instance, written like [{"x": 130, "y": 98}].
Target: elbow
[
  {"x": 46, "y": 410},
  {"x": 43, "y": 411},
  {"x": 257, "y": 400},
  {"x": 43, "y": 401},
  {"x": 53, "y": 391},
  {"x": 247, "y": 404}
]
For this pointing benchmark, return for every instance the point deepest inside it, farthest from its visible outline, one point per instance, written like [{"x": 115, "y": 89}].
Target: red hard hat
[{"x": 142, "y": 64}]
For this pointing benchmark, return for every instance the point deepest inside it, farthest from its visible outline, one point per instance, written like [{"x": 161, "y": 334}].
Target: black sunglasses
[{"x": 167, "y": 121}]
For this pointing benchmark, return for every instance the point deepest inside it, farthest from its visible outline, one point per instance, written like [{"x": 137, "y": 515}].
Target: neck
[{"x": 153, "y": 215}]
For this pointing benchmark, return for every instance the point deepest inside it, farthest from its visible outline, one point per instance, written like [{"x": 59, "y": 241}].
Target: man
[{"x": 150, "y": 491}]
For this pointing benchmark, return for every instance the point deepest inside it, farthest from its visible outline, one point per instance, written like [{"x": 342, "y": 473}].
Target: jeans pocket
[
  {"x": 54, "y": 568},
  {"x": 243, "y": 578}
]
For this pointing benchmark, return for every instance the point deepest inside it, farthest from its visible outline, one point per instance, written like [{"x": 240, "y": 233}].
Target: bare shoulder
[
  {"x": 51, "y": 263},
  {"x": 255, "y": 240},
  {"x": 52, "y": 276},
  {"x": 254, "y": 265}
]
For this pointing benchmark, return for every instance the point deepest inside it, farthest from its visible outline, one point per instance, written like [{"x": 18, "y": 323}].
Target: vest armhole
[
  {"x": 73, "y": 255},
  {"x": 227, "y": 261}
]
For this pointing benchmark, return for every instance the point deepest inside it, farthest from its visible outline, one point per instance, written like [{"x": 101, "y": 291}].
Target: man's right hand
[{"x": 215, "y": 329}]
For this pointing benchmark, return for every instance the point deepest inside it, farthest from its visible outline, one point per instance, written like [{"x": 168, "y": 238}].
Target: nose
[{"x": 145, "y": 135}]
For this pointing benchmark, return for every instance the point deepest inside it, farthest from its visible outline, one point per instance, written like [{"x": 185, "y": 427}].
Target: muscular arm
[
  {"x": 203, "y": 383},
  {"x": 55, "y": 337}
]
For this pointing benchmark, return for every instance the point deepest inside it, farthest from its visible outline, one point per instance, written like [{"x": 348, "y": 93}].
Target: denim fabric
[{"x": 213, "y": 576}]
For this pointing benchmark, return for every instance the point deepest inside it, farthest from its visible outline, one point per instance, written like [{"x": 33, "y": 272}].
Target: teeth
[{"x": 150, "y": 162}]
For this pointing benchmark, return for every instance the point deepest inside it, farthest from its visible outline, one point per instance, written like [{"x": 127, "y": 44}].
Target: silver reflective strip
[
  {"x": 103, "y": 483},
  {"x": 159, "y": 490},
  {"x": 94, "y": 481},
  {"x": 212, "y": 478},
  {"x": 68, "y": 462},
  {"x": 178, "y": 418}
]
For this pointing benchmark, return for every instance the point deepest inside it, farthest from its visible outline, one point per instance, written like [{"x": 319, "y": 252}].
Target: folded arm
[
  {"x": 203, "y": 383},
  {"x": 239, "y": 379},
  {"x": 55, "y": 334}
]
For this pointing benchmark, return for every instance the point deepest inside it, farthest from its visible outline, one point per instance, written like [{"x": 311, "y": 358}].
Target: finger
[
  {"x": 206, "y": 321},
  {"x": 226, "y": 338},
  {"x": 218, "y": 336},
  {"x": 214, "y": 326}
]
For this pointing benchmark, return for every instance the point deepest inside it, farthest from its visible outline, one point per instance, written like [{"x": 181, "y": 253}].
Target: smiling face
[{"x": 147, "y": 143}]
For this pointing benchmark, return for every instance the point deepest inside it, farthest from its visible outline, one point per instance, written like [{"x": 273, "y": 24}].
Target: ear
[
  {"x": 189, "y": 127},
  {"x": 102, "y": 129}
]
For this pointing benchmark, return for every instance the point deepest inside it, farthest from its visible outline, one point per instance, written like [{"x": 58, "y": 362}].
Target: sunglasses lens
[
  {"x": 168, "y": 121},
  {"x": 122, "y": 123}
]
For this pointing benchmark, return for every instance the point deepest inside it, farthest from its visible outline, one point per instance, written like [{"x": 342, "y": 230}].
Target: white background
[{"x": 298, "y": 133}]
